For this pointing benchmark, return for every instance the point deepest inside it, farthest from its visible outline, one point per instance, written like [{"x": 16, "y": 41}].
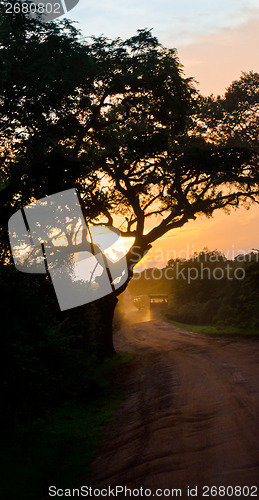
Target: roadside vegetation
[
  {"x": 208, "y": 291},
  {"x": 218, "y": 330},
  {"x": 56, "y": 393}
]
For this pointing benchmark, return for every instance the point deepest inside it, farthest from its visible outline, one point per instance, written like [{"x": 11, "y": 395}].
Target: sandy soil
[{"x": 190, "y": 416}]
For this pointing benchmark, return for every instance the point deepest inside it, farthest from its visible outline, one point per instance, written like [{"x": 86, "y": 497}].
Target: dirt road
[{"x": 191, "y": 413}]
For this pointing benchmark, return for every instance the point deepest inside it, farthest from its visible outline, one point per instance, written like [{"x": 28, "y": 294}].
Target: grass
[
  {"x": 217, "y": 330},
  {"x": 58, "y": 448}
]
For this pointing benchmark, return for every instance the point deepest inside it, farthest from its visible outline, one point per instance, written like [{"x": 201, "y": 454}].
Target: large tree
[{"x": 121, "y": 123}]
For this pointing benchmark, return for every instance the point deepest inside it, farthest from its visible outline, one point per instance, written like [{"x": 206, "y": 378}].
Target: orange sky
[
  {"x": 232, "y": 234},
  {"x": 215, "y": 43},
  {"x": 215, "y": 61}
]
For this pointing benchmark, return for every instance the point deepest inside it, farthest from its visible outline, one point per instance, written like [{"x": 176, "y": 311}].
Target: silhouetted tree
[
  {"x": 232, "y": 119},
  {"x": 119, "y": 121}
]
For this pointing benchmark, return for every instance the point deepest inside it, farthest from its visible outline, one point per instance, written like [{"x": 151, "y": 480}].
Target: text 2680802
[{"x": 33, "y": 8}]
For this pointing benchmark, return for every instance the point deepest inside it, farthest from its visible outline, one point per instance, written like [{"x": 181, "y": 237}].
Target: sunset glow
[{"x": 214, "y": 42}]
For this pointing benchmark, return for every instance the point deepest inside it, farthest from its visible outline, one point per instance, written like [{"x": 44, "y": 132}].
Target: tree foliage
[
  {"x": 118, "y": 120},
  {"x": 232, "y": 119}
]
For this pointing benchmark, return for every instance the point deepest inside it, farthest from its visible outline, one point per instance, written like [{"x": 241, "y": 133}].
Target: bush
[{"x": 47, "y": 356}]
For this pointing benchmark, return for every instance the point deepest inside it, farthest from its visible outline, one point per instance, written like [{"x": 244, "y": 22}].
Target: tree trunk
[{"x": 104, "y": 334}]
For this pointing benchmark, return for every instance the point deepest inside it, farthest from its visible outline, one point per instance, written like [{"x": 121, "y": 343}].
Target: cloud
[{"x": 180, "y": 21}]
